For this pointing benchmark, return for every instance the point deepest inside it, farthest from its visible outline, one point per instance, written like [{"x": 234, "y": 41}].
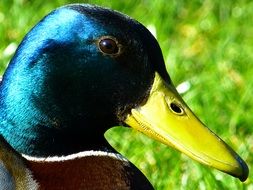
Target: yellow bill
[{"x": 166, "y": 118}]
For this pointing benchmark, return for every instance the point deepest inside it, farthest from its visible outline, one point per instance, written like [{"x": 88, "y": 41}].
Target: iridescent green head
[{"x": 83, "y": 69}]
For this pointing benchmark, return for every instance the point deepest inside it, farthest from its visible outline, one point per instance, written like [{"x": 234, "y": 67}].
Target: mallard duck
[{"x": 81, "y": 70}]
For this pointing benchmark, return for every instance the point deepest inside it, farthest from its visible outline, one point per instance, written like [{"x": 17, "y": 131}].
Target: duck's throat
[{"x": 46, "y": 141}]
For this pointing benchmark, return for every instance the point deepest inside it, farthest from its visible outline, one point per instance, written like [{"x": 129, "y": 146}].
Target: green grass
[{"x": 207, "y": 43}]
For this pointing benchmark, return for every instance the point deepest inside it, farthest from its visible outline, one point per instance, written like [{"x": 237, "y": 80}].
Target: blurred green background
[{"x": 208, "y": 49}]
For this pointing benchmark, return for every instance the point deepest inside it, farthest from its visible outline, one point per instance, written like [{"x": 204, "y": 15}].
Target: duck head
[{"x": 83, "y": 69}]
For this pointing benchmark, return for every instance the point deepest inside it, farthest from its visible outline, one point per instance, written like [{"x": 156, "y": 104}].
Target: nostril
[{"x": 176, "y": 108}]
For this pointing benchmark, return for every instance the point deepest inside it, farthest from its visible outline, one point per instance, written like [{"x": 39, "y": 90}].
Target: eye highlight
[{"x": 108, "y": 45}]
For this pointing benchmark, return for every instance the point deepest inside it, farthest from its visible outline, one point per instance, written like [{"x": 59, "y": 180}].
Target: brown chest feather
[{"x": 89, "y": 172}]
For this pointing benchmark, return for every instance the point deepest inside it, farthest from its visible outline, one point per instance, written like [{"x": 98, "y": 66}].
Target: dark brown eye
[{"x": 108, "y": 46}]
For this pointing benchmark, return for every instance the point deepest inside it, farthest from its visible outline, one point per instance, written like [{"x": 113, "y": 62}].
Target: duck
[{"x": 81, "y": 70}]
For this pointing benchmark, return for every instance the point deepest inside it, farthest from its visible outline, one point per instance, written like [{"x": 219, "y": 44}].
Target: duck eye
[{"x": 108, "y": 46}]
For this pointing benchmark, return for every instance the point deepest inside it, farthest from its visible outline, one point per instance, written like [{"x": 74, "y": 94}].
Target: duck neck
[
  {"x": 39, "y": 140},
  {"x": 31, "y": 132},
  {"x": 37, "y": 122}
]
